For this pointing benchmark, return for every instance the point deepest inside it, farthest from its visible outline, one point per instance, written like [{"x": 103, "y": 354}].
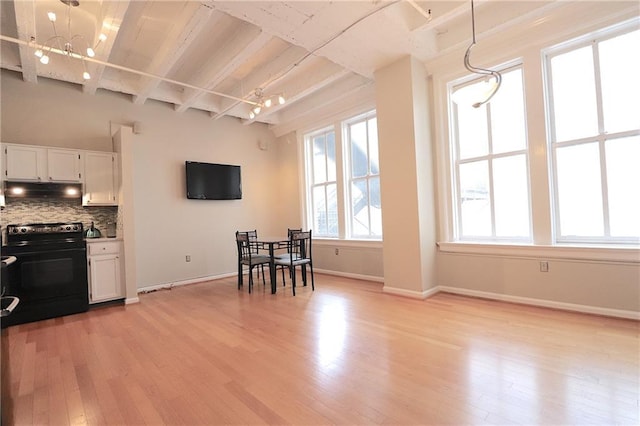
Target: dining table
[{"x": 271, "y": 244}]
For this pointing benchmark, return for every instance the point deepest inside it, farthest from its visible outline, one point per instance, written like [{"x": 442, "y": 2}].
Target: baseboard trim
[
  {"x": 410, "y": 293},
  {"x": 131, "y": 300},
  {"x": 170, "y": 285},
  {"x": 618, "y": 313},
  {"x": 349, "y": 275}
]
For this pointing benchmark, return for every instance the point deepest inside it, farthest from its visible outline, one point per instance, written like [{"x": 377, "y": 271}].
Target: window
[
  {"x": 343, "y": 179},
  {"x": 365, "y": 211},
  {"x": 491, "y": 177},
  {"x": 323, "y": 185},
  {"x": 594, "y": 138}
]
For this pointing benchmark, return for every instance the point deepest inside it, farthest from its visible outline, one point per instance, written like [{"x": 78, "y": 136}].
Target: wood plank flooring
[{"x": 345, "y": 354}]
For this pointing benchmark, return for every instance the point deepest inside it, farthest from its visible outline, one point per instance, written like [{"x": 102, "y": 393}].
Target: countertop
[{"x": 102, "y": 239}]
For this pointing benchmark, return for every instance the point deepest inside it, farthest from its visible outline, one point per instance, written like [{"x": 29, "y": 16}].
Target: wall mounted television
[{"x": 207, "y": 181}]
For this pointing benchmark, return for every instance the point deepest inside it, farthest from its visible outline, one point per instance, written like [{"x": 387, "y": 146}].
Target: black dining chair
[
  {"x": 248, "y": 255},
  {"x": 286, "y": 255},
  {"x": 298, "y": 254}
]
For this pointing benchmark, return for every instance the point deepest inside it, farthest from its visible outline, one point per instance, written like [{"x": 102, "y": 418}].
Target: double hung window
[
  {"x": 594, "y": 137},
  {"x": 323, "y": 197},
  {"x": 491, "y": 166},
  {"x": 592, "y": 162},
  {"x": 365, "y": 211},
  {"x": 343, "y": 179}
]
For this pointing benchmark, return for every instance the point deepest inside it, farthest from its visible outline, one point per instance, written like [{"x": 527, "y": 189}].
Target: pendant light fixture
[
  {"x": 477, "y": 94},
  {"x": 65, "y": 45}
]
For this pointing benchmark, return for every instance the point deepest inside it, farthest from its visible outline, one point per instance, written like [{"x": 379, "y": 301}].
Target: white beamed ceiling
[{"x": 321, "y": 55}]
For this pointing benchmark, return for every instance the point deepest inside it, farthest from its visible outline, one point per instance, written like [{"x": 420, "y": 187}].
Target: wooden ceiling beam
[
  {"x": 26, "y": 24},
  {"x": 223, "y": 63},
  {"x": 184, "y": 31}
]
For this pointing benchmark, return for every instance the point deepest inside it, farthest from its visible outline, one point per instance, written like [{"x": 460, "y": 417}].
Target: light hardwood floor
[{"x": 344, "y": 354}]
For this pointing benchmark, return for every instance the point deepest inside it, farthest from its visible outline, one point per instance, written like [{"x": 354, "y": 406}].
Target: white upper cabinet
[
  {"x": 96, "y": 170},
  {"x": 64, "y": 165},
  {"x": 25, "y": 163},
  {"x": 38, "y": 164},
  {"x": 100, "y": 179}
]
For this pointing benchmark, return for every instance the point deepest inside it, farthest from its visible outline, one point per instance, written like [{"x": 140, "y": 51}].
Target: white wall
[{"x": 167, "y": 225}]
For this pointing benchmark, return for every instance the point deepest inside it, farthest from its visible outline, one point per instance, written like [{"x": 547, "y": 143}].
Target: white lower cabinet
[{"x": 105, "y": 273}]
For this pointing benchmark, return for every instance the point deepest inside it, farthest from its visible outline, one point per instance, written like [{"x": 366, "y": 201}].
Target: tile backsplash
[{"x": 44, "y": 210}]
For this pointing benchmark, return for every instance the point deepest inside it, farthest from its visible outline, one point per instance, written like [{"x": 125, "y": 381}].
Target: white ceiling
[{"x": 211, "y": 55}]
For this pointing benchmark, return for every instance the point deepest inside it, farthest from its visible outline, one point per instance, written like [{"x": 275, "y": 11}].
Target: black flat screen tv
[{"x": 206, "y": 181}]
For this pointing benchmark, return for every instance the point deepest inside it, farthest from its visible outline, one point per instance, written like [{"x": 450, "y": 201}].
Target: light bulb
[
  {"x": 39, "y": 53},
  {"x": 281, "y": 100},
  {"x": 267, "y": 103},
  {"x": 86, "y": 75},
  {"x": 44, "y": 59},
  {"x": 52, "y": 16},
  {"x": 102, "y": 37},
  {"x": 257, "y": 109},
  {"x": 252, "y": 115},
  {"x": 90, "y": 52}
]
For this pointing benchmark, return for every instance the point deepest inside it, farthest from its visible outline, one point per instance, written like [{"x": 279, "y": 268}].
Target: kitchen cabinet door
[
  {"x": 104, "y": 278},
  {"x": 63, "y": 165},
  {"x": 25, "y": 163},
  {"x": 100, "y": 179}
]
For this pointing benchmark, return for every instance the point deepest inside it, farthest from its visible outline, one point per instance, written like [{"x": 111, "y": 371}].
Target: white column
[
  {"x": 406, "y": 178},
  {"x": 123, "y": 145}
]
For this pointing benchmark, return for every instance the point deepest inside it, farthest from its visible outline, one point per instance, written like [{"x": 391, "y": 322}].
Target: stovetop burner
[{"x": 36, "y": 234}]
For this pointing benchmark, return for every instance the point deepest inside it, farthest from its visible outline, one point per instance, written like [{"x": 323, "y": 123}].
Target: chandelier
[
  {"x": 262, "y": 102},
  {"x": 65, "y": 45},
  {"x": 477, "y": 94}
]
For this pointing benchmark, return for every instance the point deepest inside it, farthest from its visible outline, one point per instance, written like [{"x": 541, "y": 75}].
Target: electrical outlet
[
  {"x": 544, "y": 266},
  {"x": 187, "y": 258},
  {"x": 337, "y": 251}
]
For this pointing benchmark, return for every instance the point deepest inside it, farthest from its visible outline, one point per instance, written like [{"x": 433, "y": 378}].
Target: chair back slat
[
  {"x": 300, "y": 244},
  {"x": 246, "y": 241}
]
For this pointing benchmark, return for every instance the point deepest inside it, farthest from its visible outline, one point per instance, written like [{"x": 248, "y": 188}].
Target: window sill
[
  {"x": 347, "y": 243},
  {"x": 623, "y": 254}
]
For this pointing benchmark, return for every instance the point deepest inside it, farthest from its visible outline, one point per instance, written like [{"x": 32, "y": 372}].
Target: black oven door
[{"x": 49, "y": 284}]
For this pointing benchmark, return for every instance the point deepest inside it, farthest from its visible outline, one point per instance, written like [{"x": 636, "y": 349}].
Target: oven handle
[{"x": 11, "y": 307}]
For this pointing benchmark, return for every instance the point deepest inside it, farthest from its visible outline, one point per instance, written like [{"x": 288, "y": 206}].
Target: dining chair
[
  {"x": 248, "y": 255},
  {"x": 286, "y": 255},
  {"x": 298, "y": 254}
]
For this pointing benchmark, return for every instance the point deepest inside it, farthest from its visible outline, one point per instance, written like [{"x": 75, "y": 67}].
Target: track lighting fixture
[{"x": 264, "y": 102}]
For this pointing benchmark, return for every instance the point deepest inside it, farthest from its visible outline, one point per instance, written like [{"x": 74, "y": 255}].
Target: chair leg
[
  {"x": 304, "y": 275},
  {"x": 313, "y": 287},
  {"x": 250, "y": 278},
  {"x": 264, "y": 283},
  {"x": 283, "y": 280},
  {"x": 293, "y": 280}
]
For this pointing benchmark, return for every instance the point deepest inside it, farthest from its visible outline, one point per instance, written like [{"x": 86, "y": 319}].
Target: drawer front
[{"x": 95, "y": 249}]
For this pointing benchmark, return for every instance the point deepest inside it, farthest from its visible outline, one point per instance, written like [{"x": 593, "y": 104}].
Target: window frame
[
  {"x": 490, "y": 157},
  {"x": 592, "y": 40},
  {"x": 310, "y": 185},
  {"x": 348, "y": 175},
  {"x": 342, "y": 146}
]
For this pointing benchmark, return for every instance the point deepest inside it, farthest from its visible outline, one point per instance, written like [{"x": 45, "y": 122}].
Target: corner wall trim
[
  {"x": 131, "y": 300},
  {"x": 350, "y": 275},
  {"x": 618, "y": 313},
  {"x": 410, "y": 293}
]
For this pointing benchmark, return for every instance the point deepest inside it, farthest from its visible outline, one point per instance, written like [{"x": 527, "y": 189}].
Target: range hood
[{"x": 42, "y": 190}]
